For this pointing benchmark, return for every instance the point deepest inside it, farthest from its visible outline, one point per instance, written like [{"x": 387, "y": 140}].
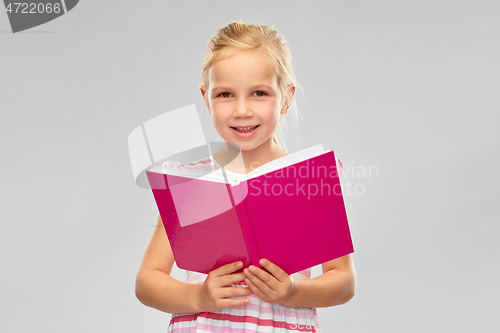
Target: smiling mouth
[{"x": 247, "y": 129}]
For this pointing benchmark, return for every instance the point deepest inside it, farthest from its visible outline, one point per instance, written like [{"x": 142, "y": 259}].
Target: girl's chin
[{"x": 243, "y": 146}]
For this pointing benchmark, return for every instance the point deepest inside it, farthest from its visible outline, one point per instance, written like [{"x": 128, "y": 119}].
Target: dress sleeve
[
  {"x": 340, "y": 167},
  {"x": 172, "y": 165},
  {"x": 203, "y": 164}
]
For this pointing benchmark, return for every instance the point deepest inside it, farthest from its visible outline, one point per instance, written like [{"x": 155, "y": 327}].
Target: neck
[
  {"x": 248, "y": 160},
  {"x": 265, "y": 153}
]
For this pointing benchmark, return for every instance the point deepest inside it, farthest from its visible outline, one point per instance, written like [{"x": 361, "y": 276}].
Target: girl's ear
[
  {"x": 288, "y": 98},
  {"x": 291, "y": 86},
  {"x": 205, "y": 97}
]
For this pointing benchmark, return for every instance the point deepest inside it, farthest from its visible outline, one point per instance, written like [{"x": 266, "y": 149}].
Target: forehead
[{"x": 245, "y": 67}]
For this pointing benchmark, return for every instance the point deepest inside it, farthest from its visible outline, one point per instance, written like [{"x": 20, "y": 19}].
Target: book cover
[{"x": 290, "y": 211}]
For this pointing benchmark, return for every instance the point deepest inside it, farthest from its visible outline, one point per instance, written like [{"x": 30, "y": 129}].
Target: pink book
[{"x": 290, "y": 211}]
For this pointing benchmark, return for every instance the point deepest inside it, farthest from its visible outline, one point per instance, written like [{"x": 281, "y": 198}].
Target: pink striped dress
[{"x": 256, "y": 316}]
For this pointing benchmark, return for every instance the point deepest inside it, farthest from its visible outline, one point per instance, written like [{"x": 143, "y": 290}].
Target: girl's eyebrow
[
  {"x": 266, "y": 86},
  {"x": 221, "y": 88}
]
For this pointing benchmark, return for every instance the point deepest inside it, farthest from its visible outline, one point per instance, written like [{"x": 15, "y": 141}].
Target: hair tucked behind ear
[{"x": 237, "y": 37}]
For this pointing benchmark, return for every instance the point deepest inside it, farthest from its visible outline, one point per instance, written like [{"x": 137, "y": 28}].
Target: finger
[
  {"x": 227, "y": 269},
  {"x": 262, "y": 275},
  {"x": 229, "y": 279},
  {"x": 235, "y": 292},
  {"x": 275, "y": 270},
  {"x": 254, "y": 289},
  {"x": 233, "y": 278},
  {"x": 261, "y": 280},
  {"x": 231, "y": 303}
]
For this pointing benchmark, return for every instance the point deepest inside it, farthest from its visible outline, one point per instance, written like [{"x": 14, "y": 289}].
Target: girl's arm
[
  {"x": 335, "y": 286},
  {"x": 155, "y": 287}
]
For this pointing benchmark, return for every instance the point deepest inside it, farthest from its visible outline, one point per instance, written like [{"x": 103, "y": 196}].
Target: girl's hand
[
  {"x": 276, "y": 287},
  {"x": 216, "y": 289}
]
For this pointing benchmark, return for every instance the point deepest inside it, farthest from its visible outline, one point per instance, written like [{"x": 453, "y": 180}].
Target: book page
[
  {"x": 219, "y": 176},
  {"x": 285, "y": 160}
]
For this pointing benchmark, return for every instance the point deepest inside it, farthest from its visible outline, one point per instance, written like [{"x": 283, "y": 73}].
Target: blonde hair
[{"x": 237, "y": 37}]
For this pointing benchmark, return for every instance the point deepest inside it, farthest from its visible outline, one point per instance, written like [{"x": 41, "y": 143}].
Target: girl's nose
[{"x": 242, "y": 109}]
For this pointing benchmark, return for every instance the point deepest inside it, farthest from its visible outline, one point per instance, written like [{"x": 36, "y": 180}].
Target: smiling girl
[{"x": 247, "y": 86}]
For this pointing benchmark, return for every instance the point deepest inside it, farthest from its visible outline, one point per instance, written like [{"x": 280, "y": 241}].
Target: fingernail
[
  {"x": 251, "y": 268},
  {"x": 263, "y": 261},
  {"x": 239, "y": 264}
]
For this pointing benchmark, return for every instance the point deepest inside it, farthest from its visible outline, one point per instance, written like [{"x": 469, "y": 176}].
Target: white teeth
[{"x": 245, "y": 128}]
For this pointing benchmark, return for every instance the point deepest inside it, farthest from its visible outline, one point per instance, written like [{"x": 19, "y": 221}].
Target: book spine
[{"x": 239, "y": 203}]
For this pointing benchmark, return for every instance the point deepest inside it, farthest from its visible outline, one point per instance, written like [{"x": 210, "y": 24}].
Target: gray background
[{"x": 408, "y": 88}]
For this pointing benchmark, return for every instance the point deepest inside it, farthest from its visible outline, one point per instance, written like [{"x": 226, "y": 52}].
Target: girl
[{"x": 247, "y": 86}]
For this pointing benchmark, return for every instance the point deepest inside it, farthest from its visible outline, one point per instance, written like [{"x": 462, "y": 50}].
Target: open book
[{"x": 289, "y": 211}]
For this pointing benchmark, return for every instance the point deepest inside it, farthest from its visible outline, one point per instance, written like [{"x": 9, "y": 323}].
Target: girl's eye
[
  {"x": 260, "y": 93},
  {"x": 225, "y": 94}
]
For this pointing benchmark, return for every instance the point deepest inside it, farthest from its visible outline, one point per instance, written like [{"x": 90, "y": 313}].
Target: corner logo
[{"x": 29, "y": 14}]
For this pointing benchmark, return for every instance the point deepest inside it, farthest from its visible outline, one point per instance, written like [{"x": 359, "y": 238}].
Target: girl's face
[{"x": 243, "y": 92}]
